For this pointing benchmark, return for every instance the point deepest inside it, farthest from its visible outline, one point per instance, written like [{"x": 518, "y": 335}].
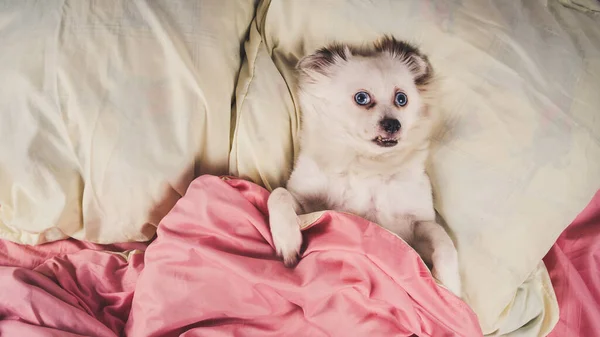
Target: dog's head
[{"x": 369, "y": 98}]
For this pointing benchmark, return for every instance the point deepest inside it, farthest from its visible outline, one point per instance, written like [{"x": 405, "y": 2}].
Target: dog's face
[{"x": 370, "y": 99}]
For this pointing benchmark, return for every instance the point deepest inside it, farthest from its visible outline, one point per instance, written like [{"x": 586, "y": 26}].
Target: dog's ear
[
  {"x": 420, "y": 68},
  {"x": 323, "y": 59},
  {"x": 417, "y": 63}
]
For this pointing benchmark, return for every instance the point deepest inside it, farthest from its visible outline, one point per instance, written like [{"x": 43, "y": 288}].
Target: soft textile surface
[
  {"x": 574, "y": 266},
  {"x": 106, "y": 106},
  {"x": 587, "y": 6},
  {"x": 518, "y": 156},
  {"x": 212, "y": 272},
  {"x": 67, "y": 288}
]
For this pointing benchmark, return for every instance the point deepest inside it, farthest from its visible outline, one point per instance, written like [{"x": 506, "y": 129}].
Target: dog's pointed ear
[
  {"x": 321, "y": 61},
  {"x": 417, "y": 63},
  {"x": 420, "y": 67}
]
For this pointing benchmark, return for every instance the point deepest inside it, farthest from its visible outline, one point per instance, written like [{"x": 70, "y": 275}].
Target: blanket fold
[{"x": 212, "y": 271}]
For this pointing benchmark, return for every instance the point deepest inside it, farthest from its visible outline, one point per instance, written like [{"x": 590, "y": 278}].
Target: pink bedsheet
[
  {"x": 211, "y": 272},
  {"x": 574, "y": 267}
]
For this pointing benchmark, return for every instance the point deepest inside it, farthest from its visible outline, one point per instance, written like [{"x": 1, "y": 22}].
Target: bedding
[
  {"x": 72, "y": 288},
  {"x": 574, "y": 266},
  {"x": 109, "y": 109},
  {"x": 518, "y": 156},
  {"x": 212, "y": 272},
  {"x": 585, "y": 6}
]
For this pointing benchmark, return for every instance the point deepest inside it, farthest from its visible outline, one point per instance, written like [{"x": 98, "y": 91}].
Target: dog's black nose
[{"x": 390, "y": 125}]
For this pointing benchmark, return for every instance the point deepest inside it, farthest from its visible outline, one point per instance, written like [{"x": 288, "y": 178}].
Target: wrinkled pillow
[
  {"x": 513, "y": 163},
  {"x": 108, "y": 109}
]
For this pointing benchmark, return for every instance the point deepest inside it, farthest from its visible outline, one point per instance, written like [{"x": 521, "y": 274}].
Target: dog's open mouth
[{"x": 385, "y": 142}]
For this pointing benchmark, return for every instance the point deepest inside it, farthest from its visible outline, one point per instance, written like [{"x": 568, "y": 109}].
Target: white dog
[{"x": 366, "y": 125}]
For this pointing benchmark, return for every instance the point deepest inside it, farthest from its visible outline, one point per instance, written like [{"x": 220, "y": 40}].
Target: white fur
[{"x": 340, "y": 167}]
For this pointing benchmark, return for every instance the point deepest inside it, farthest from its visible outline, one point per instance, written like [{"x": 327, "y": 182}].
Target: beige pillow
[
  {"x": 513, "y": 164},
  {"x": 108, "y": 109}
]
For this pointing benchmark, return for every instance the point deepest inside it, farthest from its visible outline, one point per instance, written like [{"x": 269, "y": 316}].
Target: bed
[
  {"x": 209, "y": 275},
  {"x": 111, "y": 110}
]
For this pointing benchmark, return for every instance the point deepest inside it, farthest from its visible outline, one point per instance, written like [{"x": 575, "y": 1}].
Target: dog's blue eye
[
  {"x": 362, "y": 98},
  {"x": 401, "y": 99}
]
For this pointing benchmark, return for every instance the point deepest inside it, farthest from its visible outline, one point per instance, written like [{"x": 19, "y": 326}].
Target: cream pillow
[
  {"x": 109, "y": 108},
  {"x": 512, "y": 166}
]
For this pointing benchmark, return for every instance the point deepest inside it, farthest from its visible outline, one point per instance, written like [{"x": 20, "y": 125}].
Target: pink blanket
[
  {"x": 574, "y": 267},
  {"x": 211, "y": 272}
]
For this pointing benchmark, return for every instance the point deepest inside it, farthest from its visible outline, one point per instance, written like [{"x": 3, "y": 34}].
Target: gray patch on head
[{"x": 417, "y": 62}]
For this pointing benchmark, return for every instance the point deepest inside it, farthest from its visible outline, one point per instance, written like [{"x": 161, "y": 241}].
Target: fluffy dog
[{"x": 364, "y": 140}]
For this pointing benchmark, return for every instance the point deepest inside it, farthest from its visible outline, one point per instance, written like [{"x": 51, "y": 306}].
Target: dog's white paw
[
  {"x": 287, "y": 237},
  {"x": 446, "y": 271}
]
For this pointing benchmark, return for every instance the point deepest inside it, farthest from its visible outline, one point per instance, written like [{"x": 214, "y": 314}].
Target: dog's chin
[{"x": 385, "y": 142}]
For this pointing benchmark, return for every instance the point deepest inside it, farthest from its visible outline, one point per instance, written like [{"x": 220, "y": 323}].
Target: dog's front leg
[
  {"x": 436, "y": 248},
  {"x": 285, "y": 225}
]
